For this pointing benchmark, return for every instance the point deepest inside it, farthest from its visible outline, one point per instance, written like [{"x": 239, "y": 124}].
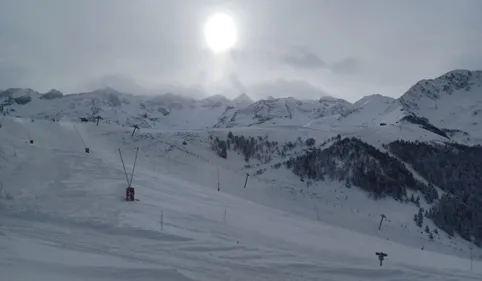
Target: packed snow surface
[{"x": 62, "y": 215}]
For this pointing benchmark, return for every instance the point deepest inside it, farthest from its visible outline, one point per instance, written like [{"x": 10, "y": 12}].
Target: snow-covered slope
[
  {"x": 368, "y": 113},
  {"x": 372, "y": 111},
  {"x": 283, "y": 111},
  {"x": 18, "y": 93},
  {"x": 329, "y": 106},
  {"x": 17, "y": 97},
  {"x": 66, "y": 219}
]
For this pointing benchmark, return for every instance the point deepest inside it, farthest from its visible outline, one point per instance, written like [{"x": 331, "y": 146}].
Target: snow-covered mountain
[
  {"x": 368, "y": 112},
  {"x": 450, "y": 104},
  {"x": 52, "y": 94},
  {"x": 243, "y": 100},
  {"x": 168, "y": 110},
  {"x": 283, "y": 111},
  {"x": 18, "y": 96},
  {"x": 452, "y": 101},
  {"x": 162, "y": 111},
  {"x": 215, "y": 101},
  {"x": 329, "y": 106}
]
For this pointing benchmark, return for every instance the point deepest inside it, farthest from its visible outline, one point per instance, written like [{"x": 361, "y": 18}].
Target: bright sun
[{"x": 220, "y": 32}]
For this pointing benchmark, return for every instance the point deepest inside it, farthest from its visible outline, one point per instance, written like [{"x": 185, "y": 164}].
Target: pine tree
[
  {"x": 223, "y": 153},
  {"x": 310, "y": 141},
  {"x": 347, "y": 183},
  {"x": 419, "y": 218}
]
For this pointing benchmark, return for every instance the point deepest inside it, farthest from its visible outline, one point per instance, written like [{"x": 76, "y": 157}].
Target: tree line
[{"x": 457, "y": 170}]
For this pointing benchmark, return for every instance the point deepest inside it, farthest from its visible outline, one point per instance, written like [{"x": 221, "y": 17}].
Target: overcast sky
[{"x": 299, "y": 48}]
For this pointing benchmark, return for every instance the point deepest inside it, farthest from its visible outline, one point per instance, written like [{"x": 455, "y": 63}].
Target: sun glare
[{"x": 220, "y": 32}]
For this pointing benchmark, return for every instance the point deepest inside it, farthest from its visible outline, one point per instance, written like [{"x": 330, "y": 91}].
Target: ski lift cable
[
  {"x": 134, "y": 167},
  {"x": 124, "y": 166}
]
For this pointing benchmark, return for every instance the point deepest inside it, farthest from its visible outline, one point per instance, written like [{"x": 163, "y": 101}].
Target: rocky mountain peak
[
  {"x": 243, "y": 98},
  {"x": 465, "y": 81},
  {"x": 52, "y": 94}
]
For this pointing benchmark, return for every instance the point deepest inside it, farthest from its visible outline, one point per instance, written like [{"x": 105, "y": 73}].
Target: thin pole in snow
[
  {"x": 162, "y": 219},
  {"x": 124, "y": 166},
  {"x": 246, "y": 181},
  {"x": 471, "y": 259},
  {"x": 219, "y": 186},
  {"x": 79, "y": 136},
  {"x": 135, "y": 128},
  {"x": 224, "y": 219},
  {"x": 381, "y": 221}
]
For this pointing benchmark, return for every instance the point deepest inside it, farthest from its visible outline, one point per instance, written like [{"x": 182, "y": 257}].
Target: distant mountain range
[{"x": 450, "y": 105}]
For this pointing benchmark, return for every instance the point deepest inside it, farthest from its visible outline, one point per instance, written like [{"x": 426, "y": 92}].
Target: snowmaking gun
[
  {"x": 130, "y": 191},
  {"x": 381, "y": 257}
]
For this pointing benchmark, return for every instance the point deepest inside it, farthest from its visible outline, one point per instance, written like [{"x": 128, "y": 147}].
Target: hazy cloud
[
  {"x": 11, "y": 76},
  {"x": 304, "y": 59},
  {"x": 118, "y": 81},
  {"x": 346, "y": 66},
  {"x": 256, "y": 56},
  {"x": 236, "y": 83},
  {"x": 193, "y": 91},
  {"x": 286, "y": 88},
  {"x": 384, "y": 46}
]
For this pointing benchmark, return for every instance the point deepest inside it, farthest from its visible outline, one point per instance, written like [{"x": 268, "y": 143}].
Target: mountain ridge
[{"x": 450, "y": 102}]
